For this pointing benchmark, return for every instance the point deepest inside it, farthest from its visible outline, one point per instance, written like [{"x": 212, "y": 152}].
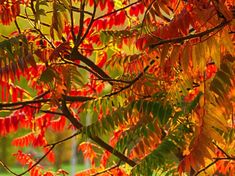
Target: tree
[{"x": 155, "y": 78}]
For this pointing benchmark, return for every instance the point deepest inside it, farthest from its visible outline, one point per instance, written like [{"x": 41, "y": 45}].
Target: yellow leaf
[
  {"x": 219, "y": 114},
  {"x": 164, "y": 7},
  {"x": 141, "y": 145},
  {"x": 198, "y": 55},
  {"x": 212, "y": 133},
  {"x": 202, "y": 55},
  {"x": 185, "y": 58},
  {"x": 194, "y": 57},
  {"x": 211, "y": 170},
  {"x": 156, "y": 10},
  {"x": 215, "y": 50},
  {"x": 175, "y": 54},
  {"x": 206, "y": 50},
  {"x": 227, "y": 42},
  {"x": 210, "y": 120},
  {"x": 222, "y": 8},
  {"x": 164, "y": 53},
  {"x": 198, "y": 157},
  {"x": 66, "y": 3}
]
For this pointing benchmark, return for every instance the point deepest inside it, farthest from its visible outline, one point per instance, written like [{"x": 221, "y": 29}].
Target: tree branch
[
  {"x": 75, "y": 55},
  {"x": 17, "y": 26},
  {"x": 24, "y": 103},
  {"x": 81, "y": 23},
  {"x": 216, "y": 160},
  {"x": 131, "y": 82},
  {"x": 108, "y": 169},
  {"x": 72, "y": 21},
  {"x": 182, "y": 39},
  {"x": 52, "y": 112},
  {"x": 30, "y": 168},
  {"x": 63, "y": 140},
  {"x": 89, "y": 25},
  {"x": 221, "y": 150},
  {"x": 212, "y": 163},
  {"x": 31, "y": 19},
  {"x": 115, "y": 11},
  {"x": 36, "y": 163},
  {"x": 7, "y": 168},
  {"x": 96, "y": 139}
]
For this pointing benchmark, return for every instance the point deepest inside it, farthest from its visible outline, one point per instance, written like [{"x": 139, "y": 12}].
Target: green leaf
[
  {"x": 161, "y": 114},
  {"x": 229, "y": 57},
  {"x": 104, "y": 38},
  {"x": 155, "y": 109},
  {"x": 217, "y": 83},
  {"x": 138, "y": 105},
  {"x": 151, "y": 126},
  {"x": 144, "y": 131},
  {"x": 167, "y": 114},
  {"x": 226, "y": 68},
  {"x": 48, "y": 75},
  {"x": 110, "y": 121},
  {"x": 194, "y": 103},
  {"x": 66, "y": 3},
  {"x": 217, "y": 91},
  {"x": 224, "y": 77}
]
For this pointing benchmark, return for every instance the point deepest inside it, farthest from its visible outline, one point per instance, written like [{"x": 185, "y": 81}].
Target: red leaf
[
  {"x": 50, "y": 156},
  {"x": 25, "y": 140},
  {"x": 110, "y": 5},
  {"x": 58, "y": 124},
  {"x": 88, "y": 152},
  {"x": 7, "y": 121},
  {"x": 87, "y": 172},
  {"x": 48, "y": 174},
  {"x": 140, "y": 44},
  {"x": 102, "y": 58},
  {"x": 63, "y": 172}
]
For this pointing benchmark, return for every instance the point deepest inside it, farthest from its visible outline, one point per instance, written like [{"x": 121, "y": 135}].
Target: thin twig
[
  {"x": 3, "y": 105},
  {"x": 75, "y": 55},
  {"x": 42, "y": 95},
  {"x": 52, "y": 112},
  {"x": 4, "y": 36},
  {"x": 81, "y": 23},
  {"x": 131, "y": 82},
  {"x": 7, "y": 168},
  {"x": 94, "y": 73},
  {"x": 17, "y": 26},
  {"x": 30, "y": 168},
  {"x": 114, "y": 80},
  {"x": 83, "y": 67},
  {"x": 24, "y": 103},
  {"x": 75, "y": 9},
  {"x": 94, "y": 49},
  {"x": 96, "y": 139},
  {"x": 40, "y": 32},
  {"x": 221, "y": 150},
  {"x": 63, "y": 140},
  {"x": 89, "y": 25},
  {"x": 12, "y": 109},
  {"x": 72, "y": 21},
  {"x": 115, "y": 11},
  {"x": 182, "y": 39},
  {"x": 212, "y": 163},
  {"x": 31, "y": 19},
  {"x": 106, "y": 170},
  {"x": 36, "y": 163}
]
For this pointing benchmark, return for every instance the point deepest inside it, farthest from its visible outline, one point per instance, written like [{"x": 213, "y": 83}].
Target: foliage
[{"x": 150, "y": 83}]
